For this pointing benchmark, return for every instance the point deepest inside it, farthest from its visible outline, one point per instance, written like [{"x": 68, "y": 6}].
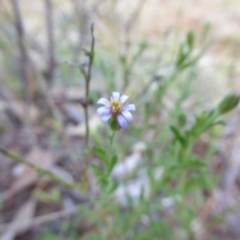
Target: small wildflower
[{"x": 117, "y": 110}]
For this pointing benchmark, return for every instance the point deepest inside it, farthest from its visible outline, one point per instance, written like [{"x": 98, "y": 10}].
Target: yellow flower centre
[{"x": 116, "y": 106}]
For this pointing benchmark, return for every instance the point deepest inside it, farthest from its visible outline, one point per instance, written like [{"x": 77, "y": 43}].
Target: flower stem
[{"x": 111, "y": 140}]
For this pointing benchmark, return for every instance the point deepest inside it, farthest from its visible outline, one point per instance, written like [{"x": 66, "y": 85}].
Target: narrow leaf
[
  {"x": 178, "y": 135},
  {"x": 101, "y": 153},
  {"x": 112, "y": 163}
]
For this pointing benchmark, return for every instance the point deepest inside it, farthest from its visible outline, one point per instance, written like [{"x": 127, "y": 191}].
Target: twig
[
  {"x": 87, "y": 76},
  {"x": 50, "y": 36},
  {"x": 39, "y": 170},
  {"x": 24, "y": 65},
  {"x": 21, "y": 44}
]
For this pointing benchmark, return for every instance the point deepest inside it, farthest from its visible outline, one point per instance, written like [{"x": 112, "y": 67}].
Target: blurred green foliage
[{"x": 160, "y": 88}]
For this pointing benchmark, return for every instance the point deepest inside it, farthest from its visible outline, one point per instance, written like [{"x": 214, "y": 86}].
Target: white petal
[
  {"x": 106, "y": 117},
  {"x": 123, "y": 98},
  {"x": 116, "y": 96},
  {"x": 130, "y": 107},
  {"x": 122, "y": 121},
  {"x": 103, "y": 101},
  {"x": 103, "y": 110},
  {"x": 127, "y": 115}
]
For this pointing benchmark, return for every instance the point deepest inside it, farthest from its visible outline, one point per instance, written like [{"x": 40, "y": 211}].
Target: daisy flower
[{"x": 116, "y": 109}]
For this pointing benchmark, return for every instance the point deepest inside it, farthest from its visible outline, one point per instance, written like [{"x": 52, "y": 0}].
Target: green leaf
[
  {"x": 196, "y": 182},
  {"x": 182, "y": 119},
  {"x": 112, "y": 163},
  {"x": 194, "y": 164},
  {"x": 229, "y": 102},
  {"x": 220, "y": 122},
  {"x": 112, "y": 187},
  {"x": 101, "y": 153},
  {"x": 190, "y": 40},
  {"x": 103, "y": 181},
  {"x": 97, "y": 170},
  {"x": 181, "y": 56},
  {"x": 178, "y": 135}
]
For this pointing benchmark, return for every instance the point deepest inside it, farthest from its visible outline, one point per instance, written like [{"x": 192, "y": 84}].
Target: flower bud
[
  {"x": 114, "y": 125},
  {"x": 228, "y": 103}
]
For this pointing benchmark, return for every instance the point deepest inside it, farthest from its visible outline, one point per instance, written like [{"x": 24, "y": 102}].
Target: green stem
[
  {"x": 86, "y": 122},
  {"x": 111, "y": 140},
  {"x": 39, "y": 170}
]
